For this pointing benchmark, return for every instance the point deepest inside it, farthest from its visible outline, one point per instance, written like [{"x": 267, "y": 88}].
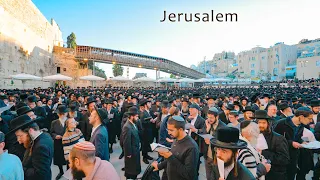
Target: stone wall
[{"x": 26, "y": 43}]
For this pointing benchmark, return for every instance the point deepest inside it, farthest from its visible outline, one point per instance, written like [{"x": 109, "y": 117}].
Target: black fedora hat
[
  {"x": 32, "y": 98},
  {"x": 23, "y": 110},
  {"x": 184, "y": 99},
  {"x": 21, "y": 122},
  {"x": 230, "y": 107},
  {"x": 283, "y": 106},
  {"x": 260, "y": 114},
  {"x": 132, "y": 111},
  {"x": 90, "y": 100},
  {"x": 143, "y": 102},
  {"x": 248, "y": 108},
  {"x": 102, "y": 114},
  {"x": 228, "y": 138},
  {"x": 314, "y": 103},
  {"x": 62, "y": 109}
]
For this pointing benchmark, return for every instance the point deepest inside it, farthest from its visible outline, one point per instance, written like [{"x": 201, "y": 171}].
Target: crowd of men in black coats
[{"x": 176, "y": 118}]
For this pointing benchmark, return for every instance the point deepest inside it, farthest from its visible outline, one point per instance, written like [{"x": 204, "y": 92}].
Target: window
[
  {"x": 253, "y": 73},
  {"x": 58, "y": 70},
  {"x": 64, "y": 69},
  {"x": 263, "y": 57},
  {"x": 318, "y": 63},
  {"x": 252, "y": 65}
]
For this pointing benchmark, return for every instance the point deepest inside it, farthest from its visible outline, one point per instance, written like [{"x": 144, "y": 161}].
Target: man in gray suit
[
  {"x": 131, "y": 145},
  {"x": 99, "y": 135}
]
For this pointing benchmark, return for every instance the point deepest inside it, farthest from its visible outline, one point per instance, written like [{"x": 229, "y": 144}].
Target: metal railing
[{"x": 134, "y": 60}]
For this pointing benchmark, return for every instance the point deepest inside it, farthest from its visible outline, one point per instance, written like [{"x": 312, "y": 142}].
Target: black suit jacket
[
  {"x": 41, "y": 158},
  {"x": 223, "y": 118},
  {"x": 131, "y": 147},
  {"x": 100, "y": 140},
  {"x": 243, "y": 173}
]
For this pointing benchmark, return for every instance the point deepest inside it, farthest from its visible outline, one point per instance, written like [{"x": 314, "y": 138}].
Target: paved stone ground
[{"x": 119, "y": 163}]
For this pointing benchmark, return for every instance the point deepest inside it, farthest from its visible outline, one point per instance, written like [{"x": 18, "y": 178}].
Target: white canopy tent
[
  {"x": 57, "y": 77},
  {"x": 144, "y": 79},
  {"x": 120, "y": 81},
  {"x": 92, "y": 78},
  {"x": 24, "y": 77},
  {"x": 119, "y": 78},
  {"x": 222, "y": 80},
  {"x": 204, "y": 80},
  {"x": 166, "y": 80},
  {"x": 187, "y": 80}
]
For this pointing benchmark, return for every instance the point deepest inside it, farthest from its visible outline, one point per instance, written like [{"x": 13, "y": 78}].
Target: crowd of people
[{"x": 241, "y": 133}]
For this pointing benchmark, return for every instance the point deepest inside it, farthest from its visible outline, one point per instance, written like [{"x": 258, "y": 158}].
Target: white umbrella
[
  {"x": 167, "y": 80},
  {"x": 92, "y": 78},
  {"x": 57, "y": 77},
  {"x": 187, "y": 80},
  {"x": 222, "y": 80},
  {"x": 204, "y": 80},
  {"x": 24, "y": 77},
  {"x": 144, "y": 79},
  {"x": 119, "y": 78}
]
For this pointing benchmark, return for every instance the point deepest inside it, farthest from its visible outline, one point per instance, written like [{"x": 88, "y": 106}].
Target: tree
[
  {"x": 97, "y": 71},
  {"x": 71, "y": 41},
  {"x": 172, "y": 76},
  {"x": 117, "y": 70}
]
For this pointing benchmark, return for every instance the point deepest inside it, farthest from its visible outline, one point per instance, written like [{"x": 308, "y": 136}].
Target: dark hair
[
  {"x": 177, "y": 124},
  {"x": 213, "y": 113},
  {"x": 303, "y": 113}
]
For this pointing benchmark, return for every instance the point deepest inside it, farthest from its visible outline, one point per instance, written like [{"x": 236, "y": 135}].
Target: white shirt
[
  {"x": 94, "y": 128},
  {"x": 193, "y": 121},
  {"x": 37, "y": 136},
  {"x": 164, "y": 116},
  {"x": 227, "y": 170}
]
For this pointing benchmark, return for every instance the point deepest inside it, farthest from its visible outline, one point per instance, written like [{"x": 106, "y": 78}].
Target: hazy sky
[{"x": 135, "y": 26}]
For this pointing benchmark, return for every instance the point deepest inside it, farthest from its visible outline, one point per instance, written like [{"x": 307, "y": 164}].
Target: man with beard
[
  {"x": 226, "y": 145},
  {"x": 182, "y": 160},
  {"x": 41, "y": 151},
  {"x": 84, "y": 125},
  {"x": 84, "y": 164},
  {"x": 272, "y": 112},
  {"x": 255, "y": 102},
  {"x": 30, "y": 112},
  {"x": 210, "y": 103},
  {"x": 278, "y": 150},
  {"x": 292, "y": 129},
  {"x": 131, "y": 144},
  {"x": 249, "y": 156},
  {"x": 39, "y": 111},
  {"x": 147, "y": 121},
  {"x": 211, "y": 126},
  {"x": 285, "y": 110},
  {"x": 315, "y": 107},
  {"x": 111, "y": 120},
  {"x": 224, "y": 115}
]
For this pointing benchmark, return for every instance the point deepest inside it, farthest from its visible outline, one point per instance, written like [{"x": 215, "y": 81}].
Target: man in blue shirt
[{"x": 11, "y": 167}]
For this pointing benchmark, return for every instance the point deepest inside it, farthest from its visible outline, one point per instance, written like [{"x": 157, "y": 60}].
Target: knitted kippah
[{"x": 85, "y": 145}]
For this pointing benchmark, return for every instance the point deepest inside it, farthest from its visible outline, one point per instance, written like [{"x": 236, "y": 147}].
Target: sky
[{"x": 135, "y": 26}]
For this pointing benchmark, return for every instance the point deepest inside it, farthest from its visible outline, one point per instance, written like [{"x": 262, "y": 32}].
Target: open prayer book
[
  {"x": 312, "y": 145},
  {"x": 261, "y": 142},
  {"x": 221, "y": 167},
  {"x": 159, "y": 147}
]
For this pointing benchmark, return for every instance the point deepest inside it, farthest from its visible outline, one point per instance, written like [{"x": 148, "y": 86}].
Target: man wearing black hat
[
  {"x": 277, "y": 151},
  {"x": 315, "y": 107},
  {"x": 146, "y": 120},
  {"x": 161, "y": 116},
  {"x": 111, "y": 121},
  {"x": 39, "y": 111},
  {"x": 182, "y": 160},
  {"x": 205, "y": 109},
  {"x": 41, "y": 151},
  {"x": 224, "y": 115},
  {"x": 247, "y": 114},
  {"x": 99, "y": 135},
  {"x": 131, "y": 144},
  {"x": 84, "y": 125},
  {"x": 285, "y": 110},
  {"x": 292, "y": 129},
  {"x": 226, "y": 145},
  {"x": 212, "y": 124},
  {"x": 255, "y": 102}
]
